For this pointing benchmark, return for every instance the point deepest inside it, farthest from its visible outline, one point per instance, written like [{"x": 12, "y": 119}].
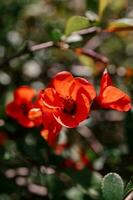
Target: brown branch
[
  {"x": 86, "y": 31},
  {"x": 91, "y": 53},
  {"x": 41, "y": 46},
  {"x": 96, "y": 56},
  {"x": 37, "y": 47},
  {"x": 117, "y": 29},
  {"x": 27, "y": 50}
]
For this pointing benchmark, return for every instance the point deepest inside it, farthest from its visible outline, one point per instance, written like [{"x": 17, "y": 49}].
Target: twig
[
  {"x": 30, "y": 49},
  {"x": 91, "y": 53},
  {"x": 27, "y": 50},
  {"x": 41, "y": 46},
  {"x": 87, "y": 31},
  {"x": 117, "y": 29},
  {"x": 96, "y": 56}
]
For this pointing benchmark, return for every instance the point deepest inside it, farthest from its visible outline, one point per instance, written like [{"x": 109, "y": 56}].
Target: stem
[
  {"x": 27, "y": 50},
  {"x": 41, "y": 46},
  {"x": 37, "y": 47},
  {"x": 96, "y": 56},
  {"x": 87, "y": 31}
]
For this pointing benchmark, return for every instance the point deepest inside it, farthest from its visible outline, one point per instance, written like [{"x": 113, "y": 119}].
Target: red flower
[
  {"x": 111, "y": 97},
  {"x": 65, "y": 102},
  {"x": 23, "y": 101},
  {"x": 51, "y": 126},
  {"x": 69, "y": 99}
]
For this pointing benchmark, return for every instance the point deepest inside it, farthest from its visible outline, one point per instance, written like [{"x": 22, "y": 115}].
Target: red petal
[
  {"x": 62, "y": 83},
  {"x": 24, "y": 121},
  {"x": 64, "y": 119},
  {"x": 51, "y": 133},
  {"x": 123, "y": 104},
  {"x": 35, "y": 115},
  {"x": 47, "y": 116},
  {"x": 15, "y": 112},
  {"x": 82, "y": 111},
  {"x": 44, "y": 134},
  {"x": 24, "y": 94},
  {"x": 112, "y": 94},
  {"x": 83, "y": 107},
  {"x": 88, "y": 87},
  {"x": 51, "y": 98},
  {"x": 12, "y": 110},
  {"x": 115, "y": 99},
  {"x": 48, "y": 120},
  {"x": 105, "y": 81}
]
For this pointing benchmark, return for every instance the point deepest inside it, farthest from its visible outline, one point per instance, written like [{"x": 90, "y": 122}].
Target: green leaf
[
  {"x": 120, "y": 25},
  {"x": 56, "y": 35},
  {"x": 112, "y": 187},
  {"x": 102, "y": 5},
  {"x": 76, "y": 23},
  {"x": 129, "y": 188}
]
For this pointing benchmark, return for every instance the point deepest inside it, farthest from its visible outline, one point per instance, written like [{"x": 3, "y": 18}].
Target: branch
[
  {"x": 30, "y": 49},
  {"x": 96, "y": 56},
  {"x": 41, "y": 46},
  {"x": 86, "y": 31},
  {"x": 27, "y": 50},
  {"x": 91, "y": 53}
]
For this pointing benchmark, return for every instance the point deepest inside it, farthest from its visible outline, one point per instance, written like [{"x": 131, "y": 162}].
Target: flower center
[
  {"x": 69, "y": 106},
  {"x": 24, "y": 109}
]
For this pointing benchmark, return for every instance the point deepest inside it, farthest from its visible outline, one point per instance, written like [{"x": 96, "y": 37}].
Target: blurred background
[{"x": 29, "y": 168}]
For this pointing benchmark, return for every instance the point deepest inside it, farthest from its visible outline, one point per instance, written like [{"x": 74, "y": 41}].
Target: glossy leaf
[{"x": 112, "y": 187}]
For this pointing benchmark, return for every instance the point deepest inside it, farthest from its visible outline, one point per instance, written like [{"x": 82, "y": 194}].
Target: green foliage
[
  {"x": 112, "y": 187},
  {"x": 56, "y": 35},
  {"x": 76, "y": 23},
  {"x": 102, "y": 6},
  {"x": 128, "y": 188}
]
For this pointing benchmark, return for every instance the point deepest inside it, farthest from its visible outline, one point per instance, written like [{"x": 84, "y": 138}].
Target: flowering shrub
[
  {"x": 66, "y": 82},
  {"x": 66, "y": 102}
]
